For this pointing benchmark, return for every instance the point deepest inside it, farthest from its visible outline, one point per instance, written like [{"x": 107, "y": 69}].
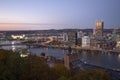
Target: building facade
[
  {"x": 72, "y": 38},
  {"x": 65, "y": 37},
  {"x": 99, "y": 28},
  {"x": 116, "y": 37},
  {"x": 80, "y": 34},
  {"x": 86, "y": 41},
  {"x": 69, "y": 58},
  {"x": 116, "y": 34}
]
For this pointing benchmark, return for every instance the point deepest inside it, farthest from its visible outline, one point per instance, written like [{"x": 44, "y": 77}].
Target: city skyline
[{"x": 63, "y": 14}]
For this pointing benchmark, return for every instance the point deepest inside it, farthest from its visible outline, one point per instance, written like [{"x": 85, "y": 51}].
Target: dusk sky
[{"x": 58, "y": 14}]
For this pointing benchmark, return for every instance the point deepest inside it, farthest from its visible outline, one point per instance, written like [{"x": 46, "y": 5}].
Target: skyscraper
[
  {"x": 65, "y": 37},
  {"x": 116, "y": 34},
  {"x": 72, "y": 38},
  {"x": 86, "y": 41},
  {"x": 80, "y": 34},
  {"x": 99, "y": 29},
  {"x": 76, "y": 41}
]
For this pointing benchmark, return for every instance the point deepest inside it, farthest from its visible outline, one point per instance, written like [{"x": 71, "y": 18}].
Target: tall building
[
  {"x": 80, "y": 34},
  {"x": 65, "y": 37},
  {"x": 93, "y": 42},
  {"x": 99, "y": 28},
  {"x": 76, "y": 39},
  {"x": 116, "y": 37},
  {"x": 116, "y": 34},
  {"x": 72, "y": 38},
  {"x": 86, "y": 41}
]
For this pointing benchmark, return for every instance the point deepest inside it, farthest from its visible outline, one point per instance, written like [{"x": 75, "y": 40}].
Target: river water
[{"x": 100, "y": 59}]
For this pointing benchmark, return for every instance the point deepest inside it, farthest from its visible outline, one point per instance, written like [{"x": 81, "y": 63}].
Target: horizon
[
  {"x": 55, "y": 29},
  {"x": 44, "y": 15}
]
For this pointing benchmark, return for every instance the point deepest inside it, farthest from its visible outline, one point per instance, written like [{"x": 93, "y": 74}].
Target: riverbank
[{"x": 115, "y": 51}]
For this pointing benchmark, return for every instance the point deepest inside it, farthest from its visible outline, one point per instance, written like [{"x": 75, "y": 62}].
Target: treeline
[{"x": 13, "y": 67}]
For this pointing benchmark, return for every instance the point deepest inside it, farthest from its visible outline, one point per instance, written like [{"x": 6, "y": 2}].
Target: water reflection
[
  {"x": 10, "y": 42},
  {"x": 13, "y": 48},
  {"x": 106, "y": 60}
]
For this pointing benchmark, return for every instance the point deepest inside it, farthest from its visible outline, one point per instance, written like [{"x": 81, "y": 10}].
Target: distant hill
[{"x": 51, "y": 31}]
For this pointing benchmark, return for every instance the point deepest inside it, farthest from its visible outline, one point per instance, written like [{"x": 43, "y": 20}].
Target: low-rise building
[{"x": 18, "y": 36}]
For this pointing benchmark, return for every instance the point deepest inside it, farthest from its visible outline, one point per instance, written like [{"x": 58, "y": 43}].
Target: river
[{"x": 100, "y": 59}]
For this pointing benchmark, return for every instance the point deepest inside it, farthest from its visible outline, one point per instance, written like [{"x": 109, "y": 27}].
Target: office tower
[
  {"x": 86, "y": 41},
  {"x": 76, "y": 41},
  {"x": 65, "y": 37},
  {"x": 80, "y": 34},
  {"x": 72, "y": 38},
  {"x": 116, "y": 37},
  {"x": 99, "y": 28},
  {"x": 116, "y": 34}
]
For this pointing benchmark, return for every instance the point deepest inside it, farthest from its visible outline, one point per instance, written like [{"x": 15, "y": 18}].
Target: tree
[
  {"x": 10, "y": 68},
  {"x": 91, "y": 75},
  {"x": 36, "y": 69},
  {"x": 62, "y": 78},
  {"x": 60, "y": 70}
]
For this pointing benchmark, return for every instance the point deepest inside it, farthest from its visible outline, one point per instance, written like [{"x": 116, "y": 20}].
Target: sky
[{"x": 58, "y": 14}]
